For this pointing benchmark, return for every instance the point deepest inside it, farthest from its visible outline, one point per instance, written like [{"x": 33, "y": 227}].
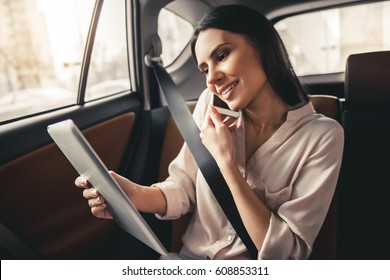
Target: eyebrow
[{"x": 212, "y": 54}]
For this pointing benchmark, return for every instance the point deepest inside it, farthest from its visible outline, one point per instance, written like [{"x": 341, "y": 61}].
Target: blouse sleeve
[
  {"x": 296, "y": 223},
  {"x": 179, "y": 187}
]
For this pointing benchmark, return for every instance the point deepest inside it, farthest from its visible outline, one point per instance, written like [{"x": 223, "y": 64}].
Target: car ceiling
[
  {"x": 188, "y": 78},
  {"x": 273, "y": 9}
]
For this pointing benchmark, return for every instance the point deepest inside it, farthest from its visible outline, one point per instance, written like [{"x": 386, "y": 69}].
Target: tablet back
[{"x": 81, "y": 155}]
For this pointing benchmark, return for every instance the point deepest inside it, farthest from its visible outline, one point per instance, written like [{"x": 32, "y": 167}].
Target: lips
[{"x": 229, "y": 88}]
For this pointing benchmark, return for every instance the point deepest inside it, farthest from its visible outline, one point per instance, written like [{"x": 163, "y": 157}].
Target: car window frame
[
  {"x": 275, "y": 17},
  {"x": 84, "y": 113},
  {"x": 86, "y": 63}
]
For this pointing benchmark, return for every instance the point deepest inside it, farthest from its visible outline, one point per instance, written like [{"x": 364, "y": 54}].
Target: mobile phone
[{"x": 223, "y": 108}]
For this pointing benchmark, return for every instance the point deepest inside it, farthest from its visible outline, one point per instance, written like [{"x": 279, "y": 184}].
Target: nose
[{"x": 214, "y": 75}]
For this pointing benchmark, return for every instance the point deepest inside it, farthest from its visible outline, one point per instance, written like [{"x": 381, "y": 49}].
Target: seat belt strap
[{"x": 206, "y": 163}]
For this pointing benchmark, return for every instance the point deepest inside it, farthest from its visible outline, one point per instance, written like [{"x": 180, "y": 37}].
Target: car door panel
[
  {"x": 34, "y": 128},
  {"x": 40, "y": 203}
]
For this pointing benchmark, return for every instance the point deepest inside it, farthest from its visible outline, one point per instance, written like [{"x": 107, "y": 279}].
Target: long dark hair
[{"x": 266, "y": 40}]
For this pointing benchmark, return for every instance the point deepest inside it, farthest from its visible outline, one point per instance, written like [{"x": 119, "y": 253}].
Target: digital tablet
[{"x": 84, "y": 159}]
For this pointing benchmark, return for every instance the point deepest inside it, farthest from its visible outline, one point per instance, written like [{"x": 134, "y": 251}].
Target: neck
[{"x": 266, "y": 112}]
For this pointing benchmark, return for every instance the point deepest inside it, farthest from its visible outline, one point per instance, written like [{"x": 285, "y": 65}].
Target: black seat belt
[{"x": 206, "y": 163}]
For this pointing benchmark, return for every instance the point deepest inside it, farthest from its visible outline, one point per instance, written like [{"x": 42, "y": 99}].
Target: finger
[
  {"x": 90, "y": 193},
  {"x": 215, "y": 116},
  {"x": 232, "y": 127},
  {"x": 81, "y": 182},
  {"x": 101, "y": 212},
  {"x": 94, "y": 202},
  {"x": 229, "y": 121}
]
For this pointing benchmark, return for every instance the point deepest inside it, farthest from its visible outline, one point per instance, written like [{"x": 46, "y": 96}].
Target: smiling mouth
[{"x": 229, "y": 88}]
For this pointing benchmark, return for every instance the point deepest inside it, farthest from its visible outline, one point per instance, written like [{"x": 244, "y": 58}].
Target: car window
[
  {"x": 108, "y": 70},
  {"x": 175, "y": 33},
  {"x": 41, "y": 49},
  {"x": 320, "y": 42}
]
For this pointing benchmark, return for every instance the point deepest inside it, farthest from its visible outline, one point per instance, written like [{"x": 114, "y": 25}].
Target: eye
[
  {"x": 222, "y": 56},
  {"x": 204, "y": 70}
]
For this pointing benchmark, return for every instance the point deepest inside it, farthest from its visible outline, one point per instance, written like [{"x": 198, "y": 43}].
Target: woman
[{"x": 280, "y": 158}]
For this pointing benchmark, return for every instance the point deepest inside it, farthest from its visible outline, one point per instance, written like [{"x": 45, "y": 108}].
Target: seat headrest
[
  {"x": 327, "y": 105},
  {"x": 367, "y": 81}
]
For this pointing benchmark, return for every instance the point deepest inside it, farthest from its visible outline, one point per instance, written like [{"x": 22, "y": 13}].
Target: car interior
[{"x": 44, "y": 216}]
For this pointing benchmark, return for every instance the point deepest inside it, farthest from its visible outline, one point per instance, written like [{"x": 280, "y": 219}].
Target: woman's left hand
[{"x": 216, "y": 136}]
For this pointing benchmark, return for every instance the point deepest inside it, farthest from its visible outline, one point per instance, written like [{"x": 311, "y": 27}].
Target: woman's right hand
[
  {"x": 95, "y": 200},
  {"x": 145, "y": 199}
]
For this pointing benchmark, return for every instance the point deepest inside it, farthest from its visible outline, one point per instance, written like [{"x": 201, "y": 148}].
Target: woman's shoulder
[
  {"x": 316, "y": 122},
  {"x": 321, "y": 125}
]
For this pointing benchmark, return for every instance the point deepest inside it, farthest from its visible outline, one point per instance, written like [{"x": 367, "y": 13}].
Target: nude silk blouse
[{"x": 294, "y": 173}]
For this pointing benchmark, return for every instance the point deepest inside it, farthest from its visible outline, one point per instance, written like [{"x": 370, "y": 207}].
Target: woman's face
[{"x": 231, "y": 65}]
